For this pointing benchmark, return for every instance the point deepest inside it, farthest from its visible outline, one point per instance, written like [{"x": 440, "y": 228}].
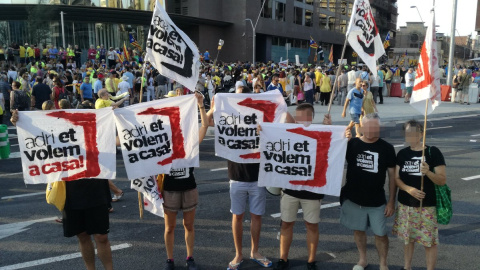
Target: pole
[
  {"x": 140, "y": 203},
  {"x": 63, "y": 28},
  {"x": 423, "y": 145},
  {"x": 254, "y": 46},
  {"x": 452, "y": 44},
  {"x": 336, "y": 76},
  {"x": 73, "y": 27}
]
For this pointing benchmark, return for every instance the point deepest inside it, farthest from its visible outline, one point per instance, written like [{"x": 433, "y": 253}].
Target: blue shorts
[
  {"x": 241, "y": 192},
  {"x": 409, "y": 90},
  {"x": 355, "y": 118},
  {"x": 360, "y": 218}
]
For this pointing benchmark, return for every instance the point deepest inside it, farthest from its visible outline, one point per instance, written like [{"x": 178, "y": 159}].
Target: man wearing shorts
[
  {"x": 309, "y": 201},
  {"x": 355, "y": 100},
  {"x": 409, "y": 82},
  {"x": 363, "y": 197},
  {"x": 86, "y": 214},
  {"x": 244, "y": 187}
]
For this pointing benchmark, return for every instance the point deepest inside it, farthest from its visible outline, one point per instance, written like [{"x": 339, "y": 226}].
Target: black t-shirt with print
[
  {"x": 409, "y": 162},
  {"x": 180, "y": 180},
  {"x": 367, "y": 170},
  {"x": 241, "y": 172},
  {"x": 87, "y": 193}
]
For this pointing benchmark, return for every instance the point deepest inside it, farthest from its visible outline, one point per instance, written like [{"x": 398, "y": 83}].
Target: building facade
[{"x": 278, "y": 22}]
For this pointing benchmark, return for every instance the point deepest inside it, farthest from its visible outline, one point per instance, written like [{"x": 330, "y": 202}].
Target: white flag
[
  {"x": 302, "y": 158},
  {"x": 283, "y": 64},
  {"x": 152, "y": 198},
  {"x": 427, "y": 81},
  {"x": 158, "y": 135},
  {"x": 171, "y": 51},
  {"x": 363, "y": 35},
  {"x": 66, "y": 145}
]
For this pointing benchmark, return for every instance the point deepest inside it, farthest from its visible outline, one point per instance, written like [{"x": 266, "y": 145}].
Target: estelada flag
[
  {"x": 330, "y": 56},
  {"x": 171, "y": 51},
  {"x": 134, "y": 42},
  {"x": 302, "y": 158},
  {"x": 427, "y": 81},
  {"x": 125, "y": 52},
  {"x": 363, "y": 35}
]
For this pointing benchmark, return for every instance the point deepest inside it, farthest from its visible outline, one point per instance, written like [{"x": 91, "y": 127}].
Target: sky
[{"x": 466, "y": 14}]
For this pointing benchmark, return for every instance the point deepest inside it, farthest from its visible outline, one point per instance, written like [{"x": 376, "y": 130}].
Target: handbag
[
  {"x": 300, "y": 95},
  {"x": 56, "y": 194},
  {"x": 444, "y": 202}
]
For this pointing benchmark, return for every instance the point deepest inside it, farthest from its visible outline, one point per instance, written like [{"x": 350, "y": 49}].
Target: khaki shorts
[
  {"x": 175, "y": 201},
  {"x": 289, "y": 209}
]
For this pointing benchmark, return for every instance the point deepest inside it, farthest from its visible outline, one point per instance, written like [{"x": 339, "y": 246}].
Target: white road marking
[
  {"x": 439, "y": 128},
  {"x": 324, "y": 206},
  {"x": 11, "y": 174},
  {"x": 56, "y": 259},
  {"x": 452, "y": 117},
  {"x": 7, "y": 230},
  {"x": 13, "y": 144},
  {"x": 219, "y": 169},
  {"x": 23, "y": 195},
  {"x": 471, "y": 177},
  {"x": 476, "y": 135},
  {"x": 399, "y": 145},
  {"x": 12, "y": 127},
  {"x": 473, "y": 140},
  {"x": 209, "y": 139},
  {"x": 14, "y": 155}
]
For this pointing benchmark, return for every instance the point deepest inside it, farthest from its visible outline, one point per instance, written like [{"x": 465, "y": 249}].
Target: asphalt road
[{"x": 28, "y": 233}]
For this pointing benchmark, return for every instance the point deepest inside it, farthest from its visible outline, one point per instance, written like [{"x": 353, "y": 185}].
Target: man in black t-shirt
[
  {"x": 309, "y": 201},
  {"x": 363, "y": 199},
  {"x": 40, "y": 93}
]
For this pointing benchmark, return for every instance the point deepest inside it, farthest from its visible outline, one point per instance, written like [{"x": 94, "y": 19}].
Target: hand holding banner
[
  {"x": 158, "y": 135},
  {"x": 236, "y": 119},
  {"x": 302, "y": 158},
  {"x": 66, "y": 145}
]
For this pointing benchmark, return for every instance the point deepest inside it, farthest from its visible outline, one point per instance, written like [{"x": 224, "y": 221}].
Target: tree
[{"x": 38, "y": 23}]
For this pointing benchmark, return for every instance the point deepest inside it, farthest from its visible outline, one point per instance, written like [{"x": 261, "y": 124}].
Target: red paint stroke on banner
[
  {"x": 323, "y": 138},
  {"x": 267, "y": 107},
  {"x": 173, "y": 114},
  {"x": 88, "y": 121}
]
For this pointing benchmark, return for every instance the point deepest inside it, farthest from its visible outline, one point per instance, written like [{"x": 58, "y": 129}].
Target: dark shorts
[
  {"x": 92, "y": 221},
  {"x": 317, "y": 89}
]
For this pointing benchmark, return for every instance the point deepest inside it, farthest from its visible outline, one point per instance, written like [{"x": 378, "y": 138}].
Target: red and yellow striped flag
[{"x": 125, "y": 52}]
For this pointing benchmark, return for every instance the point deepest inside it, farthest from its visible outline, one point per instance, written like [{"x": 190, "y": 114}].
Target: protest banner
[
  {"x": 67, "y": 145},
  {"x": 236, "y": 118},
  {"x": 302, "y": 158},
  {"x": 152, "y": 198},
  {"x": 158, "y": 135},
  {"x": 171, "y": 51}
]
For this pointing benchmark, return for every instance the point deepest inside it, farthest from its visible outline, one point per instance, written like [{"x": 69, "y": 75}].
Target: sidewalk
[{"x": 394, "y": 109}]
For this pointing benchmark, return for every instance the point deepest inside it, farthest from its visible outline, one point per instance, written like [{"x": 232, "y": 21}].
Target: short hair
[
  {"x": 64, "y": 104},
  {"x": 371, "y": 116},
  {"x": 48, "y": 105},
  {"x": 304, "y": 107},
  {"x": 413, "y": 123},
  {"x": 17, "y": 84}
]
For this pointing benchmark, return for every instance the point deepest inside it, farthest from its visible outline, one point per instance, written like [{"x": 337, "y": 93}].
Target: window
[
  {"x": 298, "y": 15},
  {"x": 323, "y": 21},
  {"x": 323, "y": 3},
  {"x": 343, "y": 26},
  {"x": 280, "y": 11},
  {"x": 414, "y": 37},
  {"x": 332, "y": 5},
  {"x": 267, "y": 8},
  {"x": 308, "y": 17},
  {"x": 331, "y": 23}
]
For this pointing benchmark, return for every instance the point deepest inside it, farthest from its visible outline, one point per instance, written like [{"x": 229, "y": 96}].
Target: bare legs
[{"x": 88, "y": 251}]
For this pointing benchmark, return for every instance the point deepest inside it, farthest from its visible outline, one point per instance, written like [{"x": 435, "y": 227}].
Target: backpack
[
  {"x": 21, "y": 100},
  {"x": 63, "y": 94}
]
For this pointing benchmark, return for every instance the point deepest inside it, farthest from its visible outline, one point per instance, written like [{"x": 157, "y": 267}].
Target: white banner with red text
[
  {"x": 158, "y": 135},
  {"x": 236, "y": 119},
  {"x": 302, "y": 158},
  {"x": 66, "y": 145}
]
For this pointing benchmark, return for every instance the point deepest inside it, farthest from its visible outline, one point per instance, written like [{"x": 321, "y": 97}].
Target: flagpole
[
  {"x": 336, "y": 77},
  {"x": 423, "y": 146}
]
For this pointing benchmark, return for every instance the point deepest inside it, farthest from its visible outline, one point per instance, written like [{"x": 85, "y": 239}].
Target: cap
[
  {"x": 171, "y": 94},
  {"x": 124, "y": 78},
  {"x": 100, "y": 76}
]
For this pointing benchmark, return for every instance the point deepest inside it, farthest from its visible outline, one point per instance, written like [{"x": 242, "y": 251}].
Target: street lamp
[
  {"x": 415, "y": 7},
  {"x": 254, "y": 40}
]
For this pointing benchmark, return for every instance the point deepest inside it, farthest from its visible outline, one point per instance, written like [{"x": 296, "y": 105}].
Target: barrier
[{"x": 4, "y": 143}]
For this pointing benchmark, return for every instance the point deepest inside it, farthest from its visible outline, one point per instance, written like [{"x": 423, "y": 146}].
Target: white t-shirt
[
  {"x": 123, "y": 87},
  {"x": 111, "y": 55},
  {"x": 351, "y": 77},
  {"x": 409, "y": 79}
]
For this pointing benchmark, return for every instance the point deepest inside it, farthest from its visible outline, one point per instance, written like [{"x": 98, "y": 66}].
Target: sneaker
[
  {"x": 169, "y": 265},
  {"x": 281, "y": 265},
  {"x": 312, "y": 265},
  {"x": 190, "y": 264}
]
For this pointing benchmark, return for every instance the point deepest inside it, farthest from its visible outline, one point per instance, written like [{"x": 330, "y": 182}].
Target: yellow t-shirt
[
  {"x": 108, "y": 85},
  {"x": 368, "y": 103},
  {"x": 318, "y": 77},
  {"x": 22, "y": 52},
  {"x": 44, "y": 52},
  {"x": 102, "y": 103},
  {"x": 30, "y": 52},
  {"x": 70, "y": 52},
  {"x": 325, "y": 88}
]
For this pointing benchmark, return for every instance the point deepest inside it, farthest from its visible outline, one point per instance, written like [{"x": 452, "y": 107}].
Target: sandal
[
  {"x": 117, "y": 198},
  {"x": 234, "y": 266},
  {"x": 263, "y": 262}
]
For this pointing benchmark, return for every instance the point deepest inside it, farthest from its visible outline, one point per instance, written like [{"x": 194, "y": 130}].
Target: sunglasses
[{"x": 364, "y": 85}]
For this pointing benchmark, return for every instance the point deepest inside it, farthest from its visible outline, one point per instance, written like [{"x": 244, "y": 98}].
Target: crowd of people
[{"x": 94, "y": 84}]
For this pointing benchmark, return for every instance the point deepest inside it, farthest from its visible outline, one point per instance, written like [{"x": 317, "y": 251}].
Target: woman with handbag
[
  {"x": 418, "y": 210},
  {"x": 455, "y": 84}
]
